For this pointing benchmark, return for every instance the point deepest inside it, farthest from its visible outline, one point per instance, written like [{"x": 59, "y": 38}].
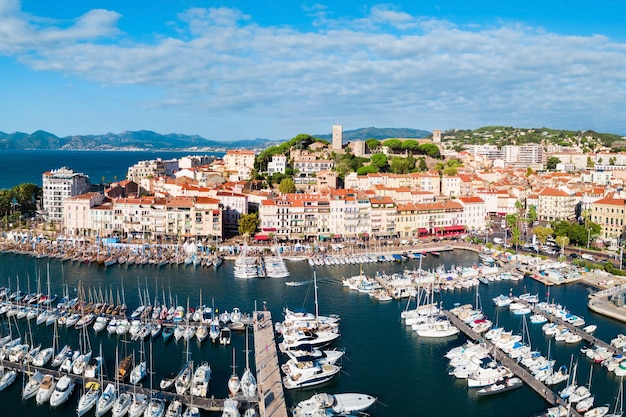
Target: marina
[{"x": 358, "y": 314}]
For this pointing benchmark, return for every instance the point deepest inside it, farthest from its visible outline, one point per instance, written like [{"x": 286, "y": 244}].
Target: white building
[
  {"x": 278, "y": 164},
  {"x": 58, "y": 185}
]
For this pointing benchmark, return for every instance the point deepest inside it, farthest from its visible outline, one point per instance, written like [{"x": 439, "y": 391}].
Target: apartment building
[
  {"x": 59, "y": 185},
  {"x": 609, "y": 213},
  {"x": 556, "y": 204}
]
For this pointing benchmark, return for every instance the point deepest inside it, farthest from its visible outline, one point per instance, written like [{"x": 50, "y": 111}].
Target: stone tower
[{"x": 337, "y": 137}]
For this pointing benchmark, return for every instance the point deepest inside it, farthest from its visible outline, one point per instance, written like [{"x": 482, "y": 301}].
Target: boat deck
[
  {"x": 545, "y": 392},
  {"x": 269, "y": 381}
]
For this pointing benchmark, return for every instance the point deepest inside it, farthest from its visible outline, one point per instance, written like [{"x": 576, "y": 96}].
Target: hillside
[
  {"x": 379, "y": 133},
  {"x": 143, "y": 139}
]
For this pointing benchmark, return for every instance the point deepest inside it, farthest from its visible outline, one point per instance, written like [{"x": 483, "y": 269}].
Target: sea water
[{"x": 383, "y": 358}]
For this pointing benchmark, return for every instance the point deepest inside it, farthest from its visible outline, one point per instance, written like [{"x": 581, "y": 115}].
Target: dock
[
  {"x": 208, "y": 404},
  {"x": 269, "y": 381},
  {"x": 545, "y": 392}
]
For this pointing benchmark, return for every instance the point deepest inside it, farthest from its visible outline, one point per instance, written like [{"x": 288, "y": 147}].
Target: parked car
[{"x": 573, "y": 255}]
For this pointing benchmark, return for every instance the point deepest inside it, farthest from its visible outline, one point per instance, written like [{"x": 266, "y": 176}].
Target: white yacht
[
  {"x": 45, "y": 390},
  {"x": 63, "y": 391},
  {"x": 307, "y": 374},
  {"x": 200, "y": 380},
  {"x": 335, "y": 403},
  {"x": 231, "y": 408}
]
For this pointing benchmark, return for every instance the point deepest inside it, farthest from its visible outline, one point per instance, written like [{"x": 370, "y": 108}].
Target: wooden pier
[
  {"x": 269, "y": 381},
  {"x": 545, "y": 392}
]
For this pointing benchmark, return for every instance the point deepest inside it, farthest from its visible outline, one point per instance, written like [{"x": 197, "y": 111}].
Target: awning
[
  {"x": 365, "y": 234},
  {"x": 269, "y": 229},
  {"x": 454, "y": 228},
  {"x": 337, "y": 236},
  {"x": 422, "y": 231},
  {"x": 261, "y": 237}
]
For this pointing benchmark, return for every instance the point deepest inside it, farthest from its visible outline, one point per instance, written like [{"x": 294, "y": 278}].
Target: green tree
[
  {"x": 410, "y": 145},
  {"x": 429, "y": 149},
  {"x": 372, "y": 144},
  {"x": 248, "y": 223},
  {"x": 542, "y": 233},
  {"x": 529, "y": 171},
  {"x": 367, "y": 169},
  {"x": 287, "y": 186},
  {"x": 400, "y": 165},
  {"x": 450, "y": 171},
  {"x": 422, "y": 165},
  {"x": 552, "y": 162},
  {"x": 532, "y": 214},
  {"x": 393, "y": 144},
  {"x": 380, "y": 161}
]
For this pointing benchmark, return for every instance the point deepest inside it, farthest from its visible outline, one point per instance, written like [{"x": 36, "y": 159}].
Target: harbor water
[{"x": 383, "y": 358}]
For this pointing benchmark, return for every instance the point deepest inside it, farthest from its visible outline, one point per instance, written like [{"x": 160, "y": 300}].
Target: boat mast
[{"x": 315, "y": 292}]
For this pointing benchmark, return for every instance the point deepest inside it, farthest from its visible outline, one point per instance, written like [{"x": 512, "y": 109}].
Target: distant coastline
[{"x": 20, "y": 165}]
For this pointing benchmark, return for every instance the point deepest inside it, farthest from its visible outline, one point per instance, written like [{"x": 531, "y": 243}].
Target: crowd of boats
[
  {"x": 258, "y": 265},
  {"x": 188, "y": 254},
  {"x": 305, "y": 340}
]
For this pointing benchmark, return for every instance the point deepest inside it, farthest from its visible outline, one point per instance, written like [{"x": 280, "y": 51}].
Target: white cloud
[{"x": 386, "y": 65}]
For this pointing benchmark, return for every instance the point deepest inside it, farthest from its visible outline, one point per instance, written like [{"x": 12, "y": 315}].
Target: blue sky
[{"x": 230, "y": 70}]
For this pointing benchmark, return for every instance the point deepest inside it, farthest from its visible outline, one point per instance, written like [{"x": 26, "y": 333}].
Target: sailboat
[
  {"x": 124, "y": 400},
  {"x": 89, "y": 398},
  {"x": 156, "y": 407},
  {"x": 618, "y": 409},
  {"x": 32, "y": 386},
  {"x": 139, "y": 372},
  {"x": 248, "y": 382},
  {"x": 234, "y": 384}
]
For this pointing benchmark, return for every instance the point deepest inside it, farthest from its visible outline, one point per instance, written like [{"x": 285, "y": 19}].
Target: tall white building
[{"x": 59, "y": 185}]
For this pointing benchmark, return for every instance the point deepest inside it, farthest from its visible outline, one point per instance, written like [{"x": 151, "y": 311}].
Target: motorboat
[
  {"x": 32, "y": 386},
  {"x": 168, "y": 381},
  {"x": 507, "y": 384},
  {"x": 231, "y": 408},
  {"x": 225, "y": 334},
  {"x": 106, "y": 400},
  {"x": 89, "y": 398},
  {"x": 335, "y": 403},
  {"x": 331, "y": 356},
  {"x": 200, "y": 380},
  {"x": 309, "y": 374},
  {"x": 62, "y": 391},
  {"x": 45, "y": 390}
]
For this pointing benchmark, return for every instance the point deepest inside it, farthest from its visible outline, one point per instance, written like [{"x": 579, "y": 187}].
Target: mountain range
[{"x": 146, "y": 140}]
